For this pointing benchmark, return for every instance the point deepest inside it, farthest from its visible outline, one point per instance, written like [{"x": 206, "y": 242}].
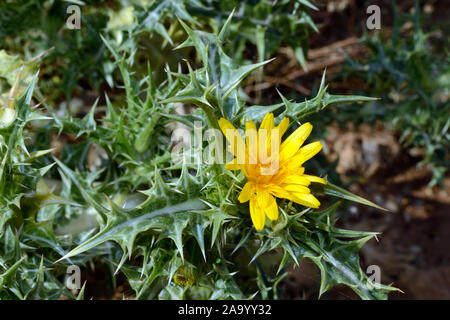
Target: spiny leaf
[
  {"x": 80, "y": 295},
  {"x": 336, "y": 191},
  {"x": 198, "y": 231},
  {"x": 123, "y": 225},
  {"x": 338, "y": 262}
]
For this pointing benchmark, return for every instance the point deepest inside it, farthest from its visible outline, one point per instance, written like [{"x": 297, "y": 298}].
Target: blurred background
[{"x": 394, "y": 152}]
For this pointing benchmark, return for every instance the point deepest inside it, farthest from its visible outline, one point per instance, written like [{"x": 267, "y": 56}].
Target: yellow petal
[
  {"x": 315, "y": 179},
  {"x": 263, "y": 199},
  {"x": 268, "y": 122},
  {"x": 237, "y": 145},
  {"x": 307, "y": 200},
  {"x": 296, "y": 188},
  {"x": 246, "y": 192},
  {"x": 278, "y": 191},
  {"x": 263, "y": 146},
  {"x": 272, "y": 209},
  {"x": 307, "y": 152},
  {"x": 284, "y": 124},
  {"x": 291, "y": 145},
  {"x": 250, "y": 129},
  {"x": 296, "y": 179},
  {"x": 264, "y": 137},
  {"x": 251, "y": 138},
  {"x": 257, "y": 214},
  {"x": 294, "y": 168},
  {"x": 233, "y": 165},
  {"x": 225, "y": 125}
]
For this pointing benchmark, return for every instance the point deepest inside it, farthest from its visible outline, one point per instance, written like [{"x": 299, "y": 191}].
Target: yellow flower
[{"x": 272, "y": 170}]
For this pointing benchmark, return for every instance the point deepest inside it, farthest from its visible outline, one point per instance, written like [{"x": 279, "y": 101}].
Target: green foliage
[
  {"x": 25, "y": 271},
  {"x": 77, "y": 59},
  {"x": 173, "y": 230},
  {"x": 411, "y": 75},
  {"x": 32, "y": 28}
]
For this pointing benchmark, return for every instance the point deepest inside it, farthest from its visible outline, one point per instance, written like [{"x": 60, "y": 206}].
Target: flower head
[
  {"x": 184, "y": 277},
  {"x": 273, "y": 170}
]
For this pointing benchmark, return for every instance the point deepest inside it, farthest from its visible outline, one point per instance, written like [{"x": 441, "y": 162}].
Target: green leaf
[
  {"x": 308, "y": 4},
  {"x": 333, "y": 190},
  {"x": 124, "y": 225},
  {"x": 338, "y": 262},
  {"x": 80, "y": 295},
  {"x": 322, "y": 100}
]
